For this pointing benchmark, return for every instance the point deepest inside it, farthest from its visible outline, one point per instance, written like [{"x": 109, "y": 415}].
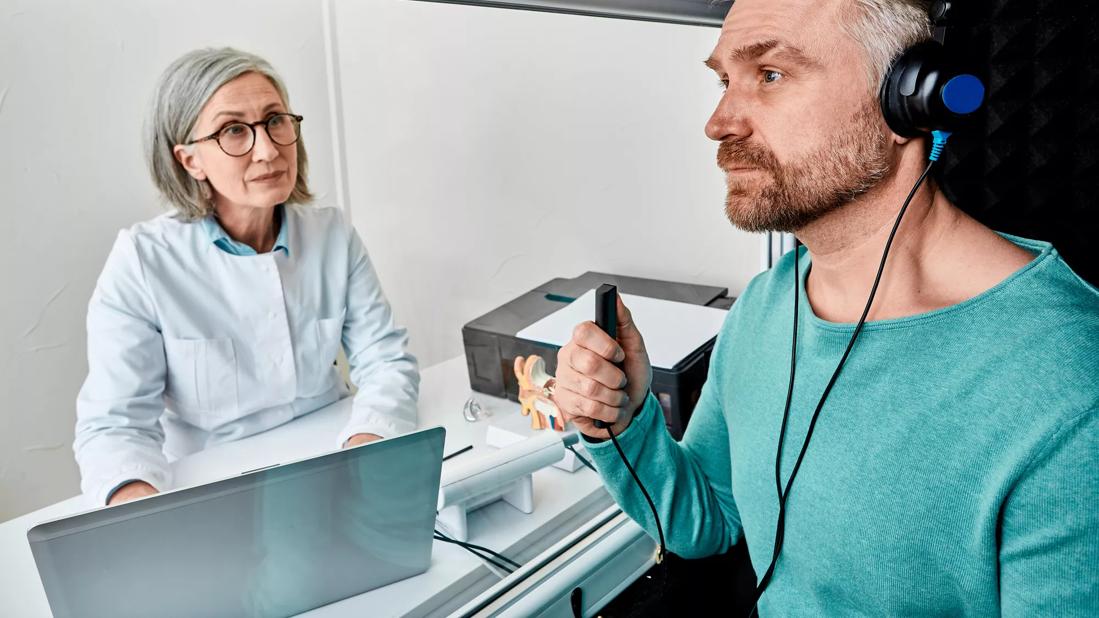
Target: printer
[{"x": 491, "y": 342}]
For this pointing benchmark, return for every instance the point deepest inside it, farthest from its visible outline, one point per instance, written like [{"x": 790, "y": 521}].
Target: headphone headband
[{"x": 924, "y": 90}]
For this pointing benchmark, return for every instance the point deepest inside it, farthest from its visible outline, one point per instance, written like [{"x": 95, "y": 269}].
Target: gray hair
[
  {"x": 183, "y": 90},
  {"x": 885, "y": 28}
]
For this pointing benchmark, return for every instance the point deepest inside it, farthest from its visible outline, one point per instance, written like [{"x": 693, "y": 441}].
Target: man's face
[{"x": 800, "y": 130}]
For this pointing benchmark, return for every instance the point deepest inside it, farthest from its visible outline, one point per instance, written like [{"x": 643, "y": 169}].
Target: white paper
[{"x": 672, "y": 330}]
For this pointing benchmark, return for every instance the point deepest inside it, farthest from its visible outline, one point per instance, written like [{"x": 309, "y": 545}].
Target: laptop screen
[{"x": 273, "y": 542}]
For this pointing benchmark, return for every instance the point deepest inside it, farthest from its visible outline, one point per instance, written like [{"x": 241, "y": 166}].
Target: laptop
[{"x": 273, "y": 542}]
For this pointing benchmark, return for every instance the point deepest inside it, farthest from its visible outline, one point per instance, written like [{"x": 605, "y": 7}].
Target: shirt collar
[{"x": 221, "y": 238}]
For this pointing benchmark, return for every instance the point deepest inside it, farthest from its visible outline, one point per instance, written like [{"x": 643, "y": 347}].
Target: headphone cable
[
  {"x": 644, "y": 492},
  {"x": 784, "y": 495}
]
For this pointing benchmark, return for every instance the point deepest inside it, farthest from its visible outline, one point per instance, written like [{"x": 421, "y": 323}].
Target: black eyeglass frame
[{"x": 252, "y": 127}]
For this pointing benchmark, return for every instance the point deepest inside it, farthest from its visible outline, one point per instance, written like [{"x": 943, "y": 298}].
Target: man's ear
[
  {"x": 899, "y": 140},
  {"x": 190, "y": 161}
]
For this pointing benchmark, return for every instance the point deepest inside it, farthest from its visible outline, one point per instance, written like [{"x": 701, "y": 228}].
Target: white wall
[
  {"x": 74, "y": 81},
  {"x": 487, "y": 151},
  {"x": 491, "y": 150}
]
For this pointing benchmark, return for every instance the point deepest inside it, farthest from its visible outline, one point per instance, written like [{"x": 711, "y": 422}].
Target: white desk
[{"x": 573, "y": 537}]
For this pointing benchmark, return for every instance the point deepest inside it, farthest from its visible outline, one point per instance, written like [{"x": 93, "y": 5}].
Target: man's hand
[
  {"x": 589, "y": 385},
  {"x": 360, "y": 438},
  {"x": 132, "y": 491}
]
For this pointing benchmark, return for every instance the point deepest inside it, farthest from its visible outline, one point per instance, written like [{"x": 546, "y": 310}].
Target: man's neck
[
  {"x": 939, "y": 256},
  {"x": 255, "y": 227}
]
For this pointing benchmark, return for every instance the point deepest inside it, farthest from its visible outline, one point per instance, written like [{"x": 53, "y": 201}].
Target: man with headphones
[{"x": 932, "y": 385}]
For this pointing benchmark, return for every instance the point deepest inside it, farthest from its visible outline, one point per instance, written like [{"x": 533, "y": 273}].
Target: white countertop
[{"x": 563, "y": 502}]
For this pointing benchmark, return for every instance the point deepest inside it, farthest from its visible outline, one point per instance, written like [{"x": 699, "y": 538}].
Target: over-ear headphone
[{"x": 925, "y": 89}]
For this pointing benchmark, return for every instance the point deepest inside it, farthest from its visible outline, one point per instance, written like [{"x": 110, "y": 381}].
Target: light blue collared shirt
[
  {"x": 221, "y": 238},
  {"x": 194, "y": 340}
]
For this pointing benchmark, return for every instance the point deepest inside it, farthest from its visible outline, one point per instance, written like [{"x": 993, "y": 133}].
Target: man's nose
[{"x": 728, "y": 120}]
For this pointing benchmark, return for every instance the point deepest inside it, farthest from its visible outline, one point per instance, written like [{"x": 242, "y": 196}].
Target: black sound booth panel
[{"x": 1028, "y": 165}]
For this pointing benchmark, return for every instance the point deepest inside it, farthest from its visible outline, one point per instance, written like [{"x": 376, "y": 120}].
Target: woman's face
[{"x": 265, "y": 176}]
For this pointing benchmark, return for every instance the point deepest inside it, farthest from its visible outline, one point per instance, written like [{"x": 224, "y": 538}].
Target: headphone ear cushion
[
  {"x": 905, "y": 92},
  {"x": 892, "y": 104}
]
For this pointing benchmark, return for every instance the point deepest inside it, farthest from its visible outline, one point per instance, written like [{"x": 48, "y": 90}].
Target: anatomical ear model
[{"x": 535, "y": 390}]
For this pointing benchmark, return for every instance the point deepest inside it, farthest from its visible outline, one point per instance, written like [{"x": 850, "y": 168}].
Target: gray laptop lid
[{"x": 273, "y": 542}]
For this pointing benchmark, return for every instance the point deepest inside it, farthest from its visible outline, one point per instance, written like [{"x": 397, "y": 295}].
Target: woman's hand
[
  {"x": 360, "y": 438},
  {"x": 132, "y": 491}
]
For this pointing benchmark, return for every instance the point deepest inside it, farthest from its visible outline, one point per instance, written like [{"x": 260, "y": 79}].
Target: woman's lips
[{"x": 268, "y": 177}]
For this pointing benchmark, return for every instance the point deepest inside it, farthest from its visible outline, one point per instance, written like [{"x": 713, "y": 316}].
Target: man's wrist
[{"x": 617, "y": 430}]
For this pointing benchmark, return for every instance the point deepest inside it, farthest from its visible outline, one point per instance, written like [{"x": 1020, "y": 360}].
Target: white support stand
[
  {"x": 501, "y": 475},
  {"x": 506, "y": 430}
]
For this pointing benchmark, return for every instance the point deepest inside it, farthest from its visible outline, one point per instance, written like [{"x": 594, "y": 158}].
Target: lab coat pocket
[
  {"x": 202, "y": 379},
  {"x": 327, "y": 336}
]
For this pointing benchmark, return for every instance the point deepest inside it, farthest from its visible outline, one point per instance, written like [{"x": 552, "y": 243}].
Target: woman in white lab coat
[{"x": 224, "y": 318}]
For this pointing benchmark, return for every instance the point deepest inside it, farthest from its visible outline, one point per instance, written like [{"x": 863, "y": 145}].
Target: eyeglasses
[{"x": 236, "y": 139}]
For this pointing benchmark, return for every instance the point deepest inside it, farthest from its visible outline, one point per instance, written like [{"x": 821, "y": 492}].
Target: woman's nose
[{"x": 264, "y": 149}]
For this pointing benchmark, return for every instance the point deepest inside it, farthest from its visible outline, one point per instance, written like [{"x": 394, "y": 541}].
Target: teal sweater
[{"x": 954, "y": 469}]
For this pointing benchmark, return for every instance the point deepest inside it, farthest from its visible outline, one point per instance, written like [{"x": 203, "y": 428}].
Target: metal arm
[{"x": 688, "y": 12}]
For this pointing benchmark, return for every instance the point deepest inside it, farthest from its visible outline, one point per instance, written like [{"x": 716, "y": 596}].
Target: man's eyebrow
[{"x": 774, "y": 47}]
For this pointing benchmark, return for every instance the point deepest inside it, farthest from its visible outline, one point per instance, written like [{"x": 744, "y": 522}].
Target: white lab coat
[{"x": 190, "y": 346}]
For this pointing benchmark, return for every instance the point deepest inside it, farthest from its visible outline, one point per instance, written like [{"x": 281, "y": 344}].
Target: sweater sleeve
[
  {"x": 1050, "y": 528},
  {"x": 689, "y": 481}
]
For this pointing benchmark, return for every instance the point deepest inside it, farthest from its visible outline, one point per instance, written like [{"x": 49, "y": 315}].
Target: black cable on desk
[
  {"x": 474, "y": 549},
  {"x": 581, "y": 458},
  {"x": 485, "y": 557}
]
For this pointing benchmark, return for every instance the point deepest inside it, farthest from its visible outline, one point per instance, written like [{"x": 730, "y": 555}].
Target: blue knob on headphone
[{"x": 963, "y": 94}]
